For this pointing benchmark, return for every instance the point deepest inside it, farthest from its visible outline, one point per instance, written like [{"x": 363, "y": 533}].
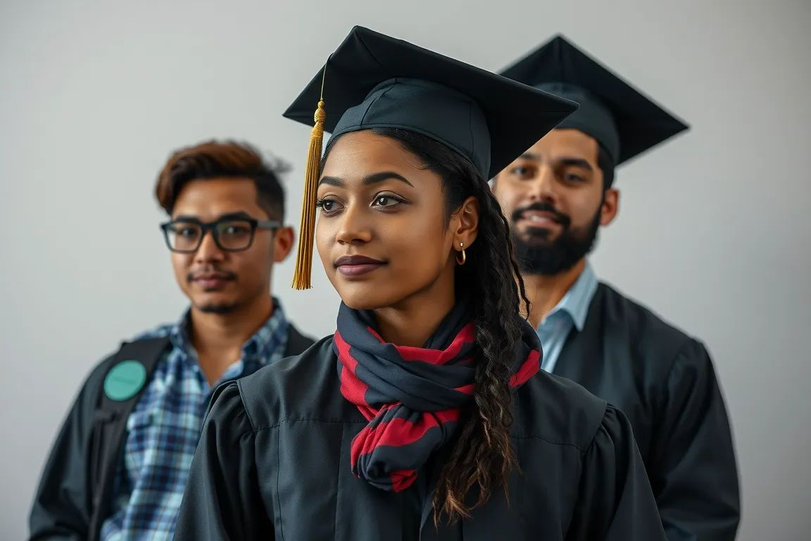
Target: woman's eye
[
  {"x": 386, "y": 201},
  {"x": 327, "y": 206}
]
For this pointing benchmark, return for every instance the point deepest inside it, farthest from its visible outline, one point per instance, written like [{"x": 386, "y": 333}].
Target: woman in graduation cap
[{"x": 425, "y": 415}]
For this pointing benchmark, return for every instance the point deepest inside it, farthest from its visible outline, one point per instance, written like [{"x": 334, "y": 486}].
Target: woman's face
[{"x": 382, "y": 232}]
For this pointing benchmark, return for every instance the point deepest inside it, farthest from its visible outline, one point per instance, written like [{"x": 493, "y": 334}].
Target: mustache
[
  {"x": 204, "y": 271},
  {"x": 560, "y": 217}
]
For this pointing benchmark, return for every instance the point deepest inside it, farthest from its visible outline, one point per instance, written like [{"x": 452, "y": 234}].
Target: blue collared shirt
[
  {"x": 164, "y": 427},
  {"x": 570, "y": 312}
]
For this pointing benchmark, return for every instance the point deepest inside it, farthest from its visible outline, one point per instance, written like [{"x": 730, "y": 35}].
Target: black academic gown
[
  {"x": 273, "y": 463},
  {"x": 664, "y": 381}
]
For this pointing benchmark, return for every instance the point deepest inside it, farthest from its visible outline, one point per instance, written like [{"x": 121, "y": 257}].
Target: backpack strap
[{"x": 126, "y": 377}]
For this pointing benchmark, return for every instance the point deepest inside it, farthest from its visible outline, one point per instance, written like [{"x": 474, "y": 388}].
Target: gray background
[{"x": 713, "y": 231}]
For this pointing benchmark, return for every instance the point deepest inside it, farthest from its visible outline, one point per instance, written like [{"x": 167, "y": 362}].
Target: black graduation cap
[
  {"x": 376, "y": 81},
  {"x": 623, "y": 120}
]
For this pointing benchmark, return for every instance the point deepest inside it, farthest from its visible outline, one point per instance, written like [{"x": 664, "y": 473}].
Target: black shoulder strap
[{"x": 110, "y": 422}]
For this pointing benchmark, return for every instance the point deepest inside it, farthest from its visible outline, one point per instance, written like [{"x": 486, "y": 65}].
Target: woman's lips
[{"x": 357, "y": 265}]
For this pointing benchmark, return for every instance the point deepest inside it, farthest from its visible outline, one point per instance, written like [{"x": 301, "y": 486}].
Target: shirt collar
[
  {"x": 268, "y": 337},
  {"x": 260, "y": 346},
  {"x": 576, "y": 301}
]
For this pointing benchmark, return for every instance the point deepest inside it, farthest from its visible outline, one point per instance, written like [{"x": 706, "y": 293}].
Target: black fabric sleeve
[
  {"x": 62, "y": 503},
  {"x": 616, "y": 502},
  {"x": 223, "y": 498},
  {"x": 694, "y": 474}
]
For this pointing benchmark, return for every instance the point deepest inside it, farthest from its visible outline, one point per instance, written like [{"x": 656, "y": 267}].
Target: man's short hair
[{"x": 227, "y": 159}]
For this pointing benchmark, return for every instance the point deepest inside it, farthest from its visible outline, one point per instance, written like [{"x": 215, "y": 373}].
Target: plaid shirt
[{"x": 164, "y": 427}]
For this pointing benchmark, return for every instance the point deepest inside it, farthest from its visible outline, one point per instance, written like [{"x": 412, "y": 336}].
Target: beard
[
  {"x": 537, "y": 255},
  {"x": 217, "y": 308},
  {"x": 209, "y": 307}
]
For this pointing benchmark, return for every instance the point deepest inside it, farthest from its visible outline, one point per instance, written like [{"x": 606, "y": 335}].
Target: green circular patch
[{"x": 124, "y": 380}]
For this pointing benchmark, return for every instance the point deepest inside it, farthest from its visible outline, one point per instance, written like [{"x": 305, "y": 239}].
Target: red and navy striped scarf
[{"x": 412, "y": 397}]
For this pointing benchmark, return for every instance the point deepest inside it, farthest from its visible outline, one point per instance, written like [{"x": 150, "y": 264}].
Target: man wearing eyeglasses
[{"x": 225, "y": 232}]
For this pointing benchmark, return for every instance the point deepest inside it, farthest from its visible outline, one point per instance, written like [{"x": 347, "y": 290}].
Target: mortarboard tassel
[{"x": 302, "y": 275}]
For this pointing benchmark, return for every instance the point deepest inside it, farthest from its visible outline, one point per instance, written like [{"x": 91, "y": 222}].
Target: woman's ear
[{"x": 465, "y": 223}]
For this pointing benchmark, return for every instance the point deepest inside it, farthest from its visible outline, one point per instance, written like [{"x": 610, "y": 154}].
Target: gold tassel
[{"x": 302, "y": 276}]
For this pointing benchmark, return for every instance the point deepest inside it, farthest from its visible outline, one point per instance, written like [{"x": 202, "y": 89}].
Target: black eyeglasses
[{"x": 230, "y": 234}]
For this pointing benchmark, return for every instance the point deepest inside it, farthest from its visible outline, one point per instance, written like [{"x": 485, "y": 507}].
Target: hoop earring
[{"x": 464, "y": 255}]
